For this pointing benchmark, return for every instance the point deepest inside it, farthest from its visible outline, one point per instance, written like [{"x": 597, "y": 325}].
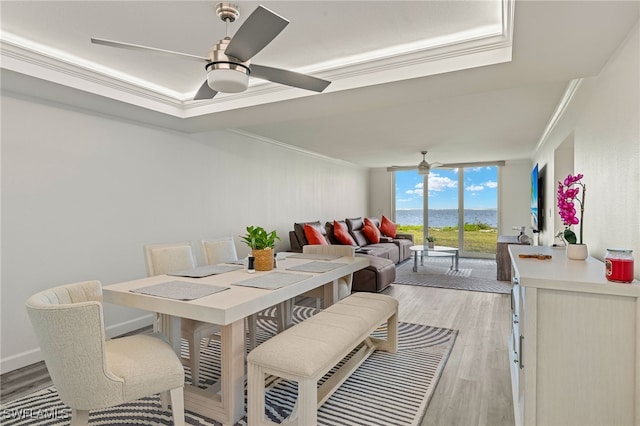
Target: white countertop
[{"x": 561, "y": 273}]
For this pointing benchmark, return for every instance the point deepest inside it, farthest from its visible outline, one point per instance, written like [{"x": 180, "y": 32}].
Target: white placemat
[
  {"x": 314, "y": 256},
  {"x": 272, "y": 280},
  {"x": 180, "y": 290},
  {"x": 316, "y": 267},
  {"x": 204, "y": 271}
]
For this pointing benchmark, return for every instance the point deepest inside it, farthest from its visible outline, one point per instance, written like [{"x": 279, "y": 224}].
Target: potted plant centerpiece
[
  {"x": 431, "y": 241},
  {"x": 568, "y": 193},
  {"x": 261, "y": 244}
]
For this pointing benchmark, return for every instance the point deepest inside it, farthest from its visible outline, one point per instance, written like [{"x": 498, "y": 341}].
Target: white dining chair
[
  {"x": 222, "y": 250},
  {"x": 219, "y": 250},
  {"x": 344, "y": 283},
  {"x": 92, "y": 372},
  {"x": 163, "y": 258}
]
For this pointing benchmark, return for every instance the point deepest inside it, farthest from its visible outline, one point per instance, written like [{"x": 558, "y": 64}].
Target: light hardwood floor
[{"x": 475, "y": 387}]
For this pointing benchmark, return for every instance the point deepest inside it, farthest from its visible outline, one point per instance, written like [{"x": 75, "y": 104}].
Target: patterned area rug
[
  {"x": 387, "y": 389},
  {"x": 472, "y": 275}
]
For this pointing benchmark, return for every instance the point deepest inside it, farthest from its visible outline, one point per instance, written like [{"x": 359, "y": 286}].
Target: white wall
[
  {"x": 606, "y": 149},
  {"x": 514, "y": 207},
  {"x": 82, "y": 194},
  {"x": 381, "y": 193}
]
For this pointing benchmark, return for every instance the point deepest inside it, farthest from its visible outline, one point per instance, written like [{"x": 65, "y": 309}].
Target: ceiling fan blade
[
  {"x": 155, "y": 50},
  {"x": 449, "y": 165},
  {"x": 398, "y": 168},
  {"x": 289, "y": 78},
  {"x": 472, "y": 164},
  {"x": 260, "y": 28},
  {"x": 205, "y": 92}
]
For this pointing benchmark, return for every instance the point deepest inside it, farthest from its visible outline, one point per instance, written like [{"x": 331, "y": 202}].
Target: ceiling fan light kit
[
  {"x": 228, "y": 63},
  {"x": 228, "y": 77},
  {"x": 226, "y": 74}
]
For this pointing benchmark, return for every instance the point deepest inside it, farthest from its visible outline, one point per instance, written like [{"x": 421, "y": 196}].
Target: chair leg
[
  {"x": 164, "y": 400},
  {"x": 79, "y": 417},
  {"x": 177, "y": 406},
  {"x": 255, "y": 395},
  {"x": 194, "y": 359}
]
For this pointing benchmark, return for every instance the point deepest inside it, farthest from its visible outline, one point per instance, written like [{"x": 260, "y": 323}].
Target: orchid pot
[{"x": 569, "y": 192}]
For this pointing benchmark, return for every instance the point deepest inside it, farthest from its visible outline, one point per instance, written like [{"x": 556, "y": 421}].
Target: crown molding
[
  {"x": 418, "y": 60},
  {"x": 567, "y": 97}
]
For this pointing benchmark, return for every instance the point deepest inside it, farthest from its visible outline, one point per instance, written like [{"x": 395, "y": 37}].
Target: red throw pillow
[
  {"x": 388, "y": 228},
  {"x": 314, "y": 236},
  {"x": 371, "y": 233},
  {"x": 342, "y": 235}
]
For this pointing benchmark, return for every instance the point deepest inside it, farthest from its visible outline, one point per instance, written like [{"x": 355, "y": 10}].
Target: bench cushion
[{"x": 317, "y": 344}]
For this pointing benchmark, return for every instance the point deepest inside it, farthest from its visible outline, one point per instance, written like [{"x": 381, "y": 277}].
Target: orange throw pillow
[
  {"x": 342, "y": 235},
  {"x": 371, "y": 233},
  {"x": 388, "y": 228},
  {"x": 314, "y": 236}
]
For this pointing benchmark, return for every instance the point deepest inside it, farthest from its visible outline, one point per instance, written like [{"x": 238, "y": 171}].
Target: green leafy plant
[
  {"x": 259, "y": 239},
  {"x": 431, "y": 239}
]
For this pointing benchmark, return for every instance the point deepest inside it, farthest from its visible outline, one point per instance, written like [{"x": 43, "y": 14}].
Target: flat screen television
[{"x": 537, "y": 208}]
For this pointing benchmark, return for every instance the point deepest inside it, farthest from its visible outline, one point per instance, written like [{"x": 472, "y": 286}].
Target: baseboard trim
[{"x": 33, "y": 356}]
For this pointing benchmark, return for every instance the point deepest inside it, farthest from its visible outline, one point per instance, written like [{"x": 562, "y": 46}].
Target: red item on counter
[{"x": 619, "y": 265}]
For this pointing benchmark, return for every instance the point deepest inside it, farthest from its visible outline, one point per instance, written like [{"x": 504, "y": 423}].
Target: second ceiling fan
[
  {"x": 228, "y": 63},
  {"x": 424, "y": 167}
]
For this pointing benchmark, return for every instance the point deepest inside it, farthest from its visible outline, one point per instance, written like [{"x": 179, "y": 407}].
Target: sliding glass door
[
  {"x": 480, "y": 219},
  {"x": 460, "y": 208}
]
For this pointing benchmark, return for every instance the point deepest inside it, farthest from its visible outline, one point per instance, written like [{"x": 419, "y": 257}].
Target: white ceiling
[{"x": 467, "y": 80}]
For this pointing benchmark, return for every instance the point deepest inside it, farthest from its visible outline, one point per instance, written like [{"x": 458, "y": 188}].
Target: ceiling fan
[
  {"x": 228, "y": 63},
  {"x": 424, "y": 167}
]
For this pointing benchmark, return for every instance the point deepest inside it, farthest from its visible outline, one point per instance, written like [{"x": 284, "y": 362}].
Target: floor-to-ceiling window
[
  {"x": 480, "y": 214},
  {"x": 460, "y": 207}
]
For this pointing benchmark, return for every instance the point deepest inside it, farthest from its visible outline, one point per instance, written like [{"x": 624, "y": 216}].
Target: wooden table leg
[
  {"x": 232, "y": 370},
  {"x": 330, "y": 294},
  {"x": 227, "y": 407}
]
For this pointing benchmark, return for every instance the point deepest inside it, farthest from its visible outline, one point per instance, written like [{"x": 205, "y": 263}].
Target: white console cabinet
[{"x": 575, "y": 348}]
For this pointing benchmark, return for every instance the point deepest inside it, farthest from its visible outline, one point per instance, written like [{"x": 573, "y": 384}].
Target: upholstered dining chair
[
  {"x": 219, "y": 250},
  {"x": 92, "y": 372},
  {"x": 344, "y": 283},
  {"x": 224, "y": 250},
  {"x": 163, "y": 258}
]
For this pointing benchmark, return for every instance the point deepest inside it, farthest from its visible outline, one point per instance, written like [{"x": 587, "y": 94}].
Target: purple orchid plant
[{"x": 568, "y": 192}]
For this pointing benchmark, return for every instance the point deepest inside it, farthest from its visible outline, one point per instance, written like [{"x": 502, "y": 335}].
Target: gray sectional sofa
[{"x": 383, "y": 256}]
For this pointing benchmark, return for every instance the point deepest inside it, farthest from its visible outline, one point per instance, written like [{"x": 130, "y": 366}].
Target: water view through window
[{"x": 461, "y": 207}]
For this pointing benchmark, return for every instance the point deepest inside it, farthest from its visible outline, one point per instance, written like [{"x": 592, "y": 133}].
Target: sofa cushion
[
  {"x": 341, "y": 234},
  {"x": 355, "y": 229},
  {"x": 314, "y": 235},
  {"x": 376, "y": 277},
  {"x": 370, "y": 231},
  {"x": 388, "y": 228},
  {"x": 298, "y": 229}
]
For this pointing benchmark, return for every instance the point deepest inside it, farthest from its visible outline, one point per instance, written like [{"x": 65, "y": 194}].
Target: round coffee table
[{"x": 453, "y": 252}]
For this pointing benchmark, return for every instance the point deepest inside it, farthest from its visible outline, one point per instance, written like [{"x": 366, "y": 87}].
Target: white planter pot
[{"x": 577, "y": 251}]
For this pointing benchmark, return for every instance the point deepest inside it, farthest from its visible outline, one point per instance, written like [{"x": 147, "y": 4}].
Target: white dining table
[{"x": 224, "y": 401}]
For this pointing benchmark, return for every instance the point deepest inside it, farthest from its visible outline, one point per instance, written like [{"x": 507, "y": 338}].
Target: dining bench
[{"x": 307, "y": 351}]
